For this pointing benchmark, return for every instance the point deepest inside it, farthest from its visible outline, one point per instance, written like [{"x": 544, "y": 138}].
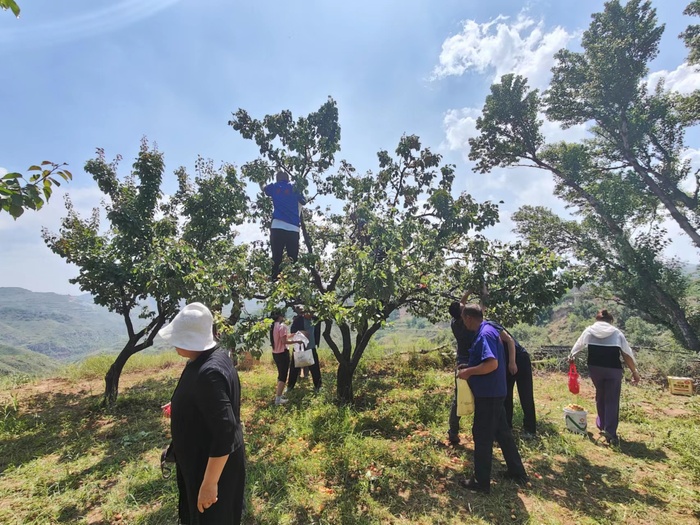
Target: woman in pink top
[{"x": 280, "y": 353}]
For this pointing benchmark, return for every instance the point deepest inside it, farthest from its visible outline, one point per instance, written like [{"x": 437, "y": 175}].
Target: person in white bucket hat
[{"x": 205, "y": 423}]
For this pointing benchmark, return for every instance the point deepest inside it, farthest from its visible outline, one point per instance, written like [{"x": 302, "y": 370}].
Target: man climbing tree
[{"x": 284, "y": 230}]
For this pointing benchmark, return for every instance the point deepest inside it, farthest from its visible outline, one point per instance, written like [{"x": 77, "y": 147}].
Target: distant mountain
[
  {"x": 50, "y": 329},
  {"x": 22, "y": 361},
  {"x": 61, "y": 327}
]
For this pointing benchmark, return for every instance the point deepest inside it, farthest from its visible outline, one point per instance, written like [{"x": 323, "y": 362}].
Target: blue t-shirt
[
  {"x": 487, "y": 345},
  {"x": 285, "y": 201}
]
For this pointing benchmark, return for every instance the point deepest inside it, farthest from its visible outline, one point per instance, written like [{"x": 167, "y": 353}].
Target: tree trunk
[
  {"x": 115, "y": 372},
  {"x": 344, "y": 382}
]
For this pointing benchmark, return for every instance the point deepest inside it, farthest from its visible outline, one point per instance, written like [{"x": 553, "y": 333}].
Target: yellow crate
[{"x": 680, "y": 386}]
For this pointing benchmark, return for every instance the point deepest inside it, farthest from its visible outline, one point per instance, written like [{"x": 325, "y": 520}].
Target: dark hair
[
  {"x": 604, "y": 315},
  {"x": 473, "y": 310},
  {"x": 276, "y": 314},
  {"x": 456, "y": 309}
]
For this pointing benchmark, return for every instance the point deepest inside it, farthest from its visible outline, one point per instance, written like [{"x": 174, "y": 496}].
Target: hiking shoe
[
  {"x": 528, "y": 435},
  {"x": 520, "y": 479},
  {"x": 281, "y": 401},
  {"x": 453, "y": 437},
  {"x": 474, "y": 486}
]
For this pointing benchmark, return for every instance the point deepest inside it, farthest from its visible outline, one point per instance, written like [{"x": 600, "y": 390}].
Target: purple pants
[{"x": 608, "y": 385}]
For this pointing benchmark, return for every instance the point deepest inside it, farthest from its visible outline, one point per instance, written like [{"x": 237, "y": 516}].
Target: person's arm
[
  {"x": 509, "y": 342},
  {"x": 267, "y": 189},
  {"x": 579, "y": 345},
  {"x": 209, "y": 489},
  {"x": 485, "y": 367},
  {"x": 629, "y": 361}
]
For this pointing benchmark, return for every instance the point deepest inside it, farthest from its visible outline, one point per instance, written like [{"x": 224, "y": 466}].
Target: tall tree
[
  {"x": 389, "y": 240},
  {"x": 634, "y": 129},
  {"x": 155, "y": 252},
  {"x": 609, "y": 195}
]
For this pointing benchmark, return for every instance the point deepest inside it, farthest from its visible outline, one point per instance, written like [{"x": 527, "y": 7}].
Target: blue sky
[{"x": 85, "y": 74}]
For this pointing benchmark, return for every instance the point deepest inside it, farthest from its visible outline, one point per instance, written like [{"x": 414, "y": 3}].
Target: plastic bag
[
  {"x": 573, "y": 379},
  {"x": 465, "y": 398}
]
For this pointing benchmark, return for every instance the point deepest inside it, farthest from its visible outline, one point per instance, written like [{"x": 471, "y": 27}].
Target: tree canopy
[
  {"x": 395, "y": 238},
  {"x": 622, "y": 180},
  {"x": 155, "y": 252}
]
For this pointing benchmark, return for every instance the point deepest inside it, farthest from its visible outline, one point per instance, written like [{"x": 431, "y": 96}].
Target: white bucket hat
[{"x": 191, "y": 329}]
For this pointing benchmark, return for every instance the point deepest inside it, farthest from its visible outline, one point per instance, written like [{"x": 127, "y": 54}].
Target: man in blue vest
[
  {"x": 284, "y": 231},
  {"x": 486, "y": 374}
]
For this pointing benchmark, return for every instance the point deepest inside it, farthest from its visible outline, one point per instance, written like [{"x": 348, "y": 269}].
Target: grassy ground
[{"x": 63, "y": 459}]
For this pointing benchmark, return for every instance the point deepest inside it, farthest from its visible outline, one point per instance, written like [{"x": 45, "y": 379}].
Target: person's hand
[
  {"x": 636, "y": 377},
  {"x": 208, "y": 495},
  {"x": 512, "y": 368},
  {"x": 464, "y": 373}
]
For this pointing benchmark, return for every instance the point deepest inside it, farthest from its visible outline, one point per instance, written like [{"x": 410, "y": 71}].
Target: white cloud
[
  {"x": 553, "y": 132},
  {"x": 684, "y": 79},
  {"x": 3, "y": 171},
  {"x": 460, "y": 126},
  {"x": 522, "y": 47}
]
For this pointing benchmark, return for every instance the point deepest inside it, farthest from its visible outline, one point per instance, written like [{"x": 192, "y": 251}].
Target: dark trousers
[
  {"x": 608, "y": 386},
  {"x": 523, "y": 378},
  {"x": 282, "y": 362},
  {"x": 315, "y": 372},
  {"x": 454, "y": 418},
  {"x": 490, "y": 425},
  {"x": 281, "y": 240}
]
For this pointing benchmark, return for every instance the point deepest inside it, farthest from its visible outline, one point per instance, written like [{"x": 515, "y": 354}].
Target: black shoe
[
  {"x": 474, "y": 486},
  {"x": 453, "y": 437},
  {"x": 609, "y": 438},
  {"x": 520, "y": 479}
]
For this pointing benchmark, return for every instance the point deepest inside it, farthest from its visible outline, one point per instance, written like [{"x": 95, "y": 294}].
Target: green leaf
[{"x": 10, "y": 4}]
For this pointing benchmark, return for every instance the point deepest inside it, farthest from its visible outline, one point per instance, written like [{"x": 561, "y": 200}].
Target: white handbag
[{"x": 302, "y": 356}]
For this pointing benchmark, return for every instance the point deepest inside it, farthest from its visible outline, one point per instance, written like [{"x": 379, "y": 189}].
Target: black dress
[{"x": 205, "y": 422}]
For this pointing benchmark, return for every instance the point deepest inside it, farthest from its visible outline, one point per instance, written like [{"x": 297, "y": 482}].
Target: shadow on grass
[
  {"x": 72, "y": 426},
  {"x": 579, "y": 485},
  {"x": 640, "y": 450}
]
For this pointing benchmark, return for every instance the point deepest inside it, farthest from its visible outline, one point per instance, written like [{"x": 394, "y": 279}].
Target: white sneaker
[{"x": 281, "y": 400}]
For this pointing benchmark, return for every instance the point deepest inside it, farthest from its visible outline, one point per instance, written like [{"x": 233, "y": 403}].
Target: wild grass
[{"x": 64, "y": 459}]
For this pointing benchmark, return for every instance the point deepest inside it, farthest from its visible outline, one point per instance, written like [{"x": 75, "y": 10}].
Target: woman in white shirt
[{"x": 606, "y": 345}]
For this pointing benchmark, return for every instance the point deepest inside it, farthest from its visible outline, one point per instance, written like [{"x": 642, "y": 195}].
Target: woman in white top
[{"x": 606, "y": 345}]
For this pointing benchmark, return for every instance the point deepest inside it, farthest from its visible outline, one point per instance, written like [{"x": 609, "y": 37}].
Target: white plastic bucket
[{"x": 576, "y": 420}]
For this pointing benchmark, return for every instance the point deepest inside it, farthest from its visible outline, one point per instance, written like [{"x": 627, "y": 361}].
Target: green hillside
[
  {"x": 22, "y": 361},
  {"x": 62, "y": 327}
]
